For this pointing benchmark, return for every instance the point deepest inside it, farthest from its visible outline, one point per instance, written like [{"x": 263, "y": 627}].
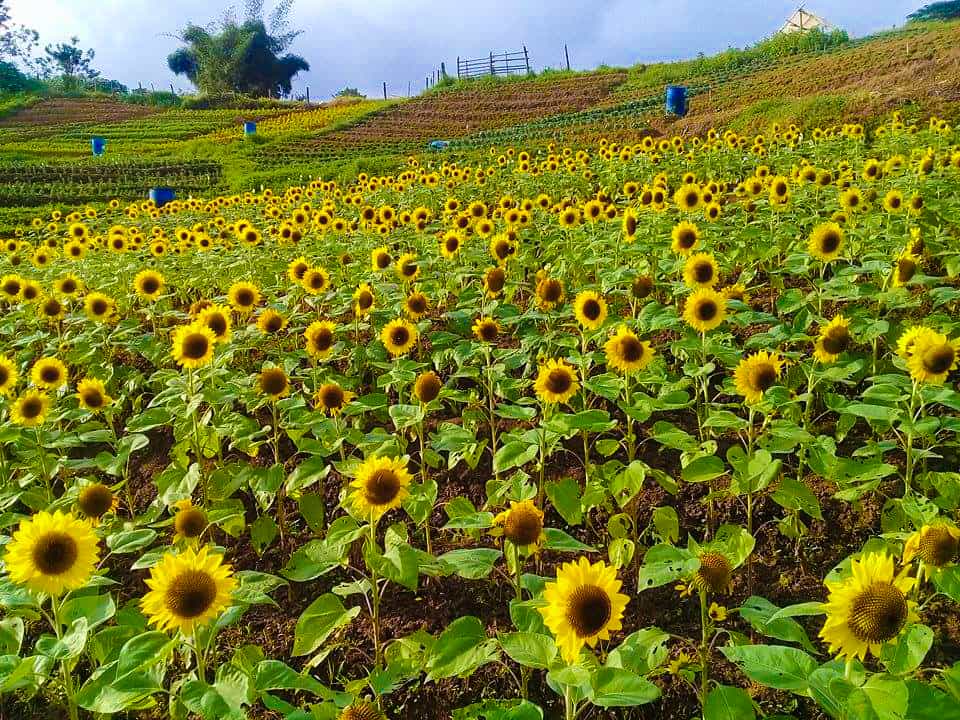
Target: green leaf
[
  {"x": 68, "y": 646},
  {"x": 556, "y": 539},
  {"x": 276, "y": 675},
  {"x": 96, "y": 609},
  {"x": 318, "y": 621},
  {"x": 263, "y": 531},
  {"x": 907, "y": 653},
  {"x": 460, "y": 650},
  {"x": 758, "y": 612},
  {"x": 564, "y": 494},
  {"x": 794, "y": 495},
  {"x": 514, "y": 454},
  {"x": 617, "y": 687},
  {"x": 703, "y": 468},
  {"x": 776, "y": 666},
  {"x": 130, "y": 541},
  {"x": 529, "y": 649},
  {"x": 728, "y": 703},
  {"x": 641, "y": 652},
  {"x": 665, "y": 564},
  {"x": 471, "y": 563}
]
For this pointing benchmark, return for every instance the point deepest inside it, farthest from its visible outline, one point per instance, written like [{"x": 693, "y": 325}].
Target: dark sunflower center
[
  {"x": 323, "y": 339},
  {"x": 878, "y": 613},
  {"x": 853, "y": 200},
  {"x": 331, "y": 396},
  {"x": 361, "y": 712},
  {"x": 551, "y": 291},
  {"x": 588, "y": 610},
  {"x": 714, "y": 572},
  {"x": 488, "y": 331},
  {"x": 381, "y": 487},
  {"x": 631, "y": 349},
  {"x": 190, "y": 522},
  {"x": 68, "y": 286},
  {"x": 894, "y": 202},
  {"x": 52, "y": 307},
  {"x": 417, "y": 304},
  {"x": 559, "y": 381},
  {"x": 55, "y": 553},
  {"x": 383, "y": 261},
  {"x": 244, "y": 297},
  {"x": 780, "y": 189},
  {"x": 686, "y": 239},
  {"x": 523, "y": 526},
  {"x": 830, "y": 242},
  {"x": 273, "y": 382},
  {"x": 273, "y": 323},
  {"x": 691, "y": 199},
  {"x": 4, "y": 375},
  {"x": 195, "y": 346},
  {"x": 764, "y": 377},
  {"x": 317, "y": 281},
  {"x": 503, "y": 250},
  {"x": 706, "y": 310},
  {"x": 631, "y": 226},
  {"x": 938, "y": 546},
  {"x": 92, "y": 398},
  {"x": 703, "y": 272},
  {"x": 408, "y": 269},
  {"x": 31, "y": 408},
  {"x": 98, "y": 307},
  {"x": 591, "y": 309},
  {"x": 95, "y": 500},
  {"x": 365, "y": 300},
  {"x": 75, "y": 250},
  {"x": 836, "y": 341},
  {"x": 452, "y": 244},
  {"x": 906, "y": 269},
  {"x": 191, "y": 594},
  {"x": 428, "y": 387},
  {"x": 30, "y": 292},
  {"x": 149, "y": 285},
  {"x": 399, "y": 335},
  {"x": 939, "y": 359},
  {"x": 50, "y": 374},
  {"x": 299, "y": 270},
  {"x": 641, "y": 287}
]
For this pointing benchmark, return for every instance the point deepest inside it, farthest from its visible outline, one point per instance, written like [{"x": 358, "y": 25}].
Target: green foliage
[
  {"x": 349, "y": 92},
  {"x": 945, "y": 10}
]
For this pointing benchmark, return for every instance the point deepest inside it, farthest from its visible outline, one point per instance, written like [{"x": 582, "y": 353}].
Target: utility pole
[{"x": 566, "y": 54}]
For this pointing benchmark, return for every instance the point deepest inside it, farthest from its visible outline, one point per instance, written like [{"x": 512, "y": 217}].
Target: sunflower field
[{"x": 663, "y": 429}]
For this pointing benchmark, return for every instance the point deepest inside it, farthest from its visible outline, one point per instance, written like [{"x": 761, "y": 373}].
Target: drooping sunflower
[
  {"x": 51, "y": 553},
  {"x": 148, "y": 284},
  {"x": 869, "y": 608},
  {"x": 685, "y": 237},
  {"x": 380, "y": 259},
  {"x": 756, "y": 374},
  {"x": 833, "y": 341},
  {"x": 700, "y": 270},
  {"x": 30, "y": 409},
  {"x": 905, "y": 268},
  {"x": 189, "y": 521},
  {"x": 320, "y": 338},
  {"x": 363, "y": 300},
  {"x": 100, "y": 307},
  {"x": 715, "y": 573},
  {"x": 381, "y": 485},
  {"x": 934, "y": 356},
  {"x": 8, "y": 375},
  {"x": 556, "y": 382},
  {"x": 584, "y": 606},
  {"x": 427, "y": 387},
  {"x": 270, "y": 322},
  {"x": 92, "y": 395},
  {"x": 188, "y": 590},
  {"x": 48, "y": 373},
  {"x": 590, "y": 309},
  {"x": 934, "y": 545},
  {"x": 626, "y": 352},
  {"x": 331, "y": 399},
  {"x": 705, "y": 309},
  {"x": 826, "y": 242},
  {"x": 398, "y": 336},
  {"x": 243, "y": 297},
  {"x": 521, "y": 524},
  {"x": 486, "y": 329},
  {"x": 273, "y": 383},
  {"x": 408, "y": 269},
  {"x": 361, "y": 710},
  {"x": 550, "y": 293},
  {"x": 95, "y": 501},
  {"x": 494, "y": 280}
]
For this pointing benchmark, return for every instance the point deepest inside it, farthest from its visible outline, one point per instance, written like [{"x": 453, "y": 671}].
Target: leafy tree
[
  {"x": 244, "y": 57},
  {"x": 16, "y": 41},
  {"x": 349, "y": 92},
  {"x": 69, "y": 61},
  {"x": 946, "y": 10}
]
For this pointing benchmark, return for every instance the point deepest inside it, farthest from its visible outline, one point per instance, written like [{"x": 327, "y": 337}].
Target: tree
[
  {"x": 244, "y": 57},
  {"x": 349, "y": 92},
  {"x": 16, "y": 41},
  {"x": 69, "y": 61},
  {"x": 946, "y": 10}
]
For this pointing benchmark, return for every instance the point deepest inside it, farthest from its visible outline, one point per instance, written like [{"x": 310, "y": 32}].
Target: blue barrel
[
  {"x": 162, "y": 195},
  {"x": 439, "y": 144},
  {"x": 677, "y": 100},
  {"x": 98, "y": 145},
  {"x": 249, "y": 128}
]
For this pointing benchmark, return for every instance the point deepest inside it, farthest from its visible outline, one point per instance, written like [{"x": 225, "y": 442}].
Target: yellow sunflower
[
  {"x": 584, "y": 606},
  {"x": 549, "y": 293},
  {"x": 486, "y": 329},
  {"x": 826, "y": 242},
  {"x": 30, "y": 409},
  {"x": 869, "y": 608},
  {"x": 189, "y": 522},
  {"x": 296, "y": 269},
  {"x": 381, "y": 484},
  {"x": 217, "y": 319},
  {"x": 715, "y": 573},
  {"x": 705, "y": 309},
  {"x": 331, "y": 399},
  {"x": 700, "y": 270},
  {"x": 92, "y": 395},
  {"x": 451, "y": 243},
  {"x": 48, "y": 373},
  {"x": 188, "y": 590},
  {"x": 398, "y": 336},
  {"x": 270, "y": 322},
  {"x": 833, "y": 341},
  {"x": 363, "y": 300},
  {"x": 934, "y": 545},
  {"x": 416, "y": 305},
  {"x": 494, "y": 280},
  {"x": 8, "y": 375},
  {"x": 685, "y": 237},
  {"x": 590, "y": 309},
  {"x": 316, "y": 281},
  {"x": 933, "y": 357},
  {"x": 556, "y": 382},
  {"x": 320, "y": 338},
  {"x": 521, "y": 524},
  {"x": 51, "y": 553},
  {"x": 756, "y": 374},
  {"x": 273, "y": 383},
  {"x": 626, "y": 352},
  {"x": 408, "y": 269},
  {"x": 380, "y": 259},
  {"x": 905, "y": 268},
  {"x": 148, "y": 284},
  {"x": 51, "y": 309},
  {"x": 193, "y": 345},
  {"x": 361, "y": 710},
  {"x": 243, "y": 297},
  {"x": 100, "y": 307},
  {"x": 427, "y": 387},
  {"x": 95, "y": 501}
]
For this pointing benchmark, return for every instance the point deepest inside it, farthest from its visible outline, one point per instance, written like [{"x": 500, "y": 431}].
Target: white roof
[{"x": 802, "y": 20}]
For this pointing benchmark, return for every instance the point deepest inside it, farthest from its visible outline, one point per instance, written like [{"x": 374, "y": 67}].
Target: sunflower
[
  {"x": 502, "y": 248},
  {"x": 701, "y": 270},
  {"x": 590, "y": 309},
  {"x": 51, "y": 553},
  {"x": 148, "y": 284},
  {"x": 96, "y": 500},
  {"x": 361, "y": 710},
  {"x": 30, "y": 409},
  {"x": 398, "y": 336},
  {"x": 486, "y": 329},
  {"x": 380, "y": 259},
  {"x": 68, "y": 285},
  {"x": 687, "y": 197},
  {"x": 451, "y": 243},
  {"x": 833, "y": 341},
  {"x": 912, "y": 337},
  {"x": 556, "y": 382},
  {"x": 869, "y": 608},
  {"x": 934, "y": 545},
  {"x": 905, "y": 268},
  {"x": 316, "y": 281},
  {"x": 893, "y": 201},
  {"x": 100, "y": 307},
  {"x": 11, "y": 286},
  {"x": 493, "y": 281},
  {"x": 243, "y": 296},
  {"x": 549, "y": 293},
  {"x": 363, "y": 300},
  {"x": 641, "y": 286},
  {"x": 685, "y": 237},
  {"x": 331, "y": 399},
  {"x": 933, "y": 357},
  {"x": 756, "y": 374},
  {"x": 92, "y": 395},
  {"x": 270, "y": 322},
  {"x": 187, "y": 590},
  {"x": 297, "y": 268},
  {"x": 416, "y": 305},
  {"x": 320, "y": 338},
  {"x": 51, "y": 309},
  {"x": 626, "y": 352},
  {"x": 273, "y": 383},
  {"x": 569, "y": 217},
  {"x": 408, "y": 269},
  {"x": 715, "y": 573},
  {"x": 427, "y": 387},
  {"x": 381, "y": 484},
  {"x": 217, "y": 319},
  {"x": 584, "y": 606},
  {"x": 48, "y": 373},
  {"x": 8, "y": 375},
  {"x": 705, "y": 309},
  {"x": 826, "y": 241},
  {"x": 189, "y": 522},
  {"x": 521, "y": 524},
  {"x": 193, "y": 345}
]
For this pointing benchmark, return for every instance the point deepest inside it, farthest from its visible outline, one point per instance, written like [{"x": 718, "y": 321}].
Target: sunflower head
[
  {"x": 398, "y": 336},
  {"x": 316, "y": 281},
  {"x": 486, "y": 329},
  {"x": 48, "y": 373},
  {"x": 273, "y": 383},
  {"x": 705, "y": 309},
  {"x": 933, "y": 358},
  {"x": 189, "y": 522},
  {"x": 217, "y": 319},
  {"x": 521, "y": 524},
  {"x": 756, "y": 374},
  {"x": 320, "y": 338},
  {"x": 363, "y": 300},
  {"x": 833, "y": 341},
  {"x": 92, "y": 395},
  {"x": 99, "y": 307},
  {"x": 416, "y": 305},
  {"x": 96, "y": 500},
  {"x": 590, "y": 309},
  {"x": 193, "y": 345},
  {"x": 493, "y": 281},
  {"x": 685, "y": 238},
  {"x": 641, "y": 286},
  {"x": 826, "y": 242},
  {"x": 626, "y": 352},
  {"x": 936, "y": 545},
  {"x": 905, "y": 268},
  {"x": 8, "y": 375},
  {"x": 243, "y": 297},
  {"x": 381, "y": 484},
  {"x": 380, "y": 259},
  {"x": 700, "y": 270},
  {"x": 30, "y": 409},
  {"x": 270, "y": 322},
  {"x": 331, "y": 399},
  {"x": 361, "y": 711},
  {"x": 549, "y": 292},
  {"x": 427, "y": 387},
  {"x": 51, "y": 553},
  {"x": 556, "y": 382},
  {"x": 408, "y": 269},
  {"x": 714, "y": 574},
  {"x": 148, "y": 284}
]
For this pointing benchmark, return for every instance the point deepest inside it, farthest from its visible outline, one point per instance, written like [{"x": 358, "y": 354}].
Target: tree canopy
[
  {"x": 247, "y": 56},
  {"x": 946, "y": 10}
]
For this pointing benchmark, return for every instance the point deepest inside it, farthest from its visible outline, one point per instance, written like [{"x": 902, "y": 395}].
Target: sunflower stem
[
  {"x": 424, "y": 476},
  {"x": 517, "y": 570},
  {"x": 68, "y": 688},
  {"x": 375, "y": 598},
  {"x": 43, "y": 463},
  {"x": 704, "y": 649}
]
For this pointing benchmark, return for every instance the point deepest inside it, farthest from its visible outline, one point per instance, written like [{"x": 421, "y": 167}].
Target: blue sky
[{"x": 362, "y": 43}]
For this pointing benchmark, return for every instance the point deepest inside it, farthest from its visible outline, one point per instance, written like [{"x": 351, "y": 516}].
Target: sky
[{"x": 363, "y": 43}]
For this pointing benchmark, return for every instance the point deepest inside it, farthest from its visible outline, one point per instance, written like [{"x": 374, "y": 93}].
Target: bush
[
  {"x": 12, "y": 80},
  {"x": 232, "y": 101}
]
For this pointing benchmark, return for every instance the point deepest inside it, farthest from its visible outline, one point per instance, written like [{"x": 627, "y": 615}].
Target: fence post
[
  {"x": 458, "y": 66},
  {"x": 384, "y": 89},
  {"x": 308, "y": 94},
  {"x": 491, "y": 63},
  {"x": 408, "y": 88},
  {"x": 526, "y": 59},
  {"x": 443, "y": 70},
  {"x": 567, "y": 55}
]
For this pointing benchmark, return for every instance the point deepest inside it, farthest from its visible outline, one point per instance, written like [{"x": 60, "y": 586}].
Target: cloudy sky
[{"x": 362, "y": 43}]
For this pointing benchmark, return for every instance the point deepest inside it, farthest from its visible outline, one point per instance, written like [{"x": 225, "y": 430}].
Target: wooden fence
[{"x": 505, "y": 63}]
